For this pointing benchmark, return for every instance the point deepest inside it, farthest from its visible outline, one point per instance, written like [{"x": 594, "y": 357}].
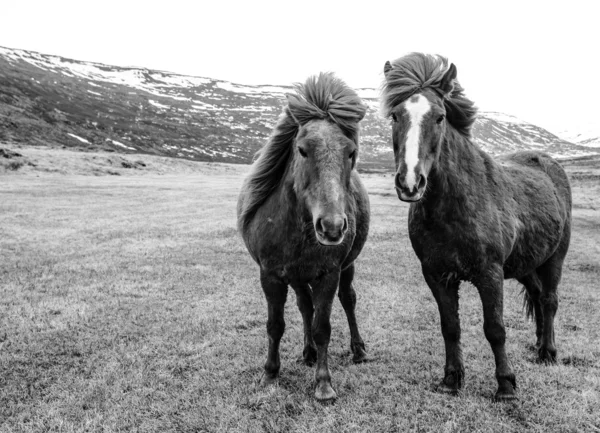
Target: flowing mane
[
  {"x": 320, "y": 97},
  {"x": 417, "y": 71}
]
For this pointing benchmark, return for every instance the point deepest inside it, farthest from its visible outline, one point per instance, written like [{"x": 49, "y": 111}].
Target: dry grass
[{"x": 129, "y": 303}]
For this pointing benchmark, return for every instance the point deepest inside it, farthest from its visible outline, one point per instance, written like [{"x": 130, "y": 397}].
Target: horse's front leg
[
  {"x": 276, "y": 294},
  {"x": 323, "y": 294},
  {"x": 445, "y": 292},
  {"x": 490, "y": 287}
]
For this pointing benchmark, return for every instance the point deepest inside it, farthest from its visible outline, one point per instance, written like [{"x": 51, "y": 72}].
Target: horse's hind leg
[
  {"x": 445, "y": 292},
  {"x": 276, "y": 294},
  {"x": 490, "y": 287},
  {"x": 347, "y": 297},
  {"x": 305, "y": 305},
  {"x": 533, "y": 292},
  {"x": 549, "y": 274}
]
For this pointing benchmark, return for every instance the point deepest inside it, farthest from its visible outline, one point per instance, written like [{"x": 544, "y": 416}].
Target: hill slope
[{"x": 54, "y": 101}]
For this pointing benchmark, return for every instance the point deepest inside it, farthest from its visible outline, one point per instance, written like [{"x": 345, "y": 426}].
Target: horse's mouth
[
  {"x": 328, "y": 241},
  {"x": 408, "y": 198}
]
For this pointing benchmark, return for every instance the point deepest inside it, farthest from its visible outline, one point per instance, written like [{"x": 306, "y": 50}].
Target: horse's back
[
  {"x": 537, "y": 168},
  {"x": 546, "y": 167}
]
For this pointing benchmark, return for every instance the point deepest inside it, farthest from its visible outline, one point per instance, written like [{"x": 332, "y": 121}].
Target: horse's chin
[
  {"x": 411, "y": 199},
  {"x": 329, "y": 243}
]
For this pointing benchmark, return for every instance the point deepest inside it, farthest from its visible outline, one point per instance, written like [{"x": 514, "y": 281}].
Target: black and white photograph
[{"x": 316, "y": 216}]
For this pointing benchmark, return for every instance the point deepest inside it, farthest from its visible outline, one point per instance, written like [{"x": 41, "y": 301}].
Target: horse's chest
[
  {"x": 303, "y": 264},
  {"x": 294, "y": 255},
  {"x": 448, "y": 247}
]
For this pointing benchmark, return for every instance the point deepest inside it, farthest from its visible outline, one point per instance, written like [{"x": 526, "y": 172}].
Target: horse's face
[
  {"x": 323, "y": 161},
  {"x": 418, "y": 127}
]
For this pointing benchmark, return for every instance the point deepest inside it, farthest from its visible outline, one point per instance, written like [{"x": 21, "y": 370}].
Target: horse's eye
[
  {"x": 352, "y": 154},
  {"x": 394, "y": 118},
  {"x": 302, "y": 152},
  {"x": 440, "y": 119}
]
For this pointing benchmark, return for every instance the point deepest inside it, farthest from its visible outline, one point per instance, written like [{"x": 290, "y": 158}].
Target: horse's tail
[{"x": 527, "y": 304}]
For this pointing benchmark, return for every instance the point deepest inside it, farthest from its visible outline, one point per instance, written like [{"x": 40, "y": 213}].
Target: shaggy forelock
[
  {"x": 327, "y": 97},
  {"x": 416, "y": 72}
]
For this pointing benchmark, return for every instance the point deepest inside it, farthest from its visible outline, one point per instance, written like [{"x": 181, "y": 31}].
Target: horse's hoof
[
  {"x": 452, "y": 382},
  {"x": 360, "y": 357},
  {"x": 324, "y": 392},
  {"x": 359, "y": 353},
  {"x": 267, "y": 379},
  {"x": 447, "y": 389},
  {"x": 547, "y": 355},
  {"x": 505, "y": 396}
]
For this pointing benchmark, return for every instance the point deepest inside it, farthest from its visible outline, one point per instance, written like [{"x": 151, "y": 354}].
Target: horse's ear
[
  {"x": 387, "y": 68},
  {"x": 447, "y": 83}
]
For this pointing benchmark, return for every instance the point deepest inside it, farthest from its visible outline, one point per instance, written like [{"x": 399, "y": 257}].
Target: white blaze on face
[{"x": 416, "y": 107}]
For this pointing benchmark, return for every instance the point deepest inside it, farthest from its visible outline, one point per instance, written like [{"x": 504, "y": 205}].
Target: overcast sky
[{"x": 537, "y": 60}]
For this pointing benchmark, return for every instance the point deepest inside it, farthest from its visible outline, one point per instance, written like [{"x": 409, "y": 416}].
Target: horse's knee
[
  {"x": 495, "y": 333},
  {"x": 275, "y": 328},
  {"x": 322, "y": 333}
]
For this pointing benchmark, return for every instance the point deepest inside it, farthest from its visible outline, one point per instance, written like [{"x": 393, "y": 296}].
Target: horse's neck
[
  {"x": 461, "y": 168},
  {"x": 286, "y": 195}
]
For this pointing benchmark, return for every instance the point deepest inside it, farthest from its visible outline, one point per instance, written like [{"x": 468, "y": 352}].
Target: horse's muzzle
[
  {"x": 330, "y": 230},
  {"x": 405, "y": 193}
]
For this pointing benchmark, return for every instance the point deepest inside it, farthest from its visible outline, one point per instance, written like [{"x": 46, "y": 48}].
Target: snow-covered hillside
[{"x": 50, "y": 100}]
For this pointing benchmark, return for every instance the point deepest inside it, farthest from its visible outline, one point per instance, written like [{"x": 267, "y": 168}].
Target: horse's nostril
[
  {"x": 345, "y": 227},
  {"x": 422, "y": 182},
  {"x": 397, "y": 181},
  {"x": 319, "y": 225}
]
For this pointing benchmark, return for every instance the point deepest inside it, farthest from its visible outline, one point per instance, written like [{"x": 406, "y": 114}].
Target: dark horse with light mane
[
  {"x": 474, "y": 218},
  {"x": 304, "y": 216}
]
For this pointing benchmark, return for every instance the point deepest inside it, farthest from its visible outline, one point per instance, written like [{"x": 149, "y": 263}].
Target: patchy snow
[
  {"x": 237, "y": 88},
  {"x": 83, "y": 140},
  {"x": 251, "y": 108},
  {"x": 158, "y": 104},
  {"x": 199, "y": 105},
  {"x": 180, "y": 80},
  {"x": 116, "y": 143},
  {"x": 94, "y": 93}
]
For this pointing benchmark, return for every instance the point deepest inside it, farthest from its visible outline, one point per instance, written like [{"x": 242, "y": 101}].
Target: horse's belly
[
  {"x": 533, "y": 248},
  {"x": 528, "y": 257}
]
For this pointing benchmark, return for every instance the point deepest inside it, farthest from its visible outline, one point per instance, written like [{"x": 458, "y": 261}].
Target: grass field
[{"x": 129, "y": 303}]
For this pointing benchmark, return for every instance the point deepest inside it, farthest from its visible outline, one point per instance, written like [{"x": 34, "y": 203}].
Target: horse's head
[
  {"x": 323, "y": 160},
  {"x": 418, "y": 130}
]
